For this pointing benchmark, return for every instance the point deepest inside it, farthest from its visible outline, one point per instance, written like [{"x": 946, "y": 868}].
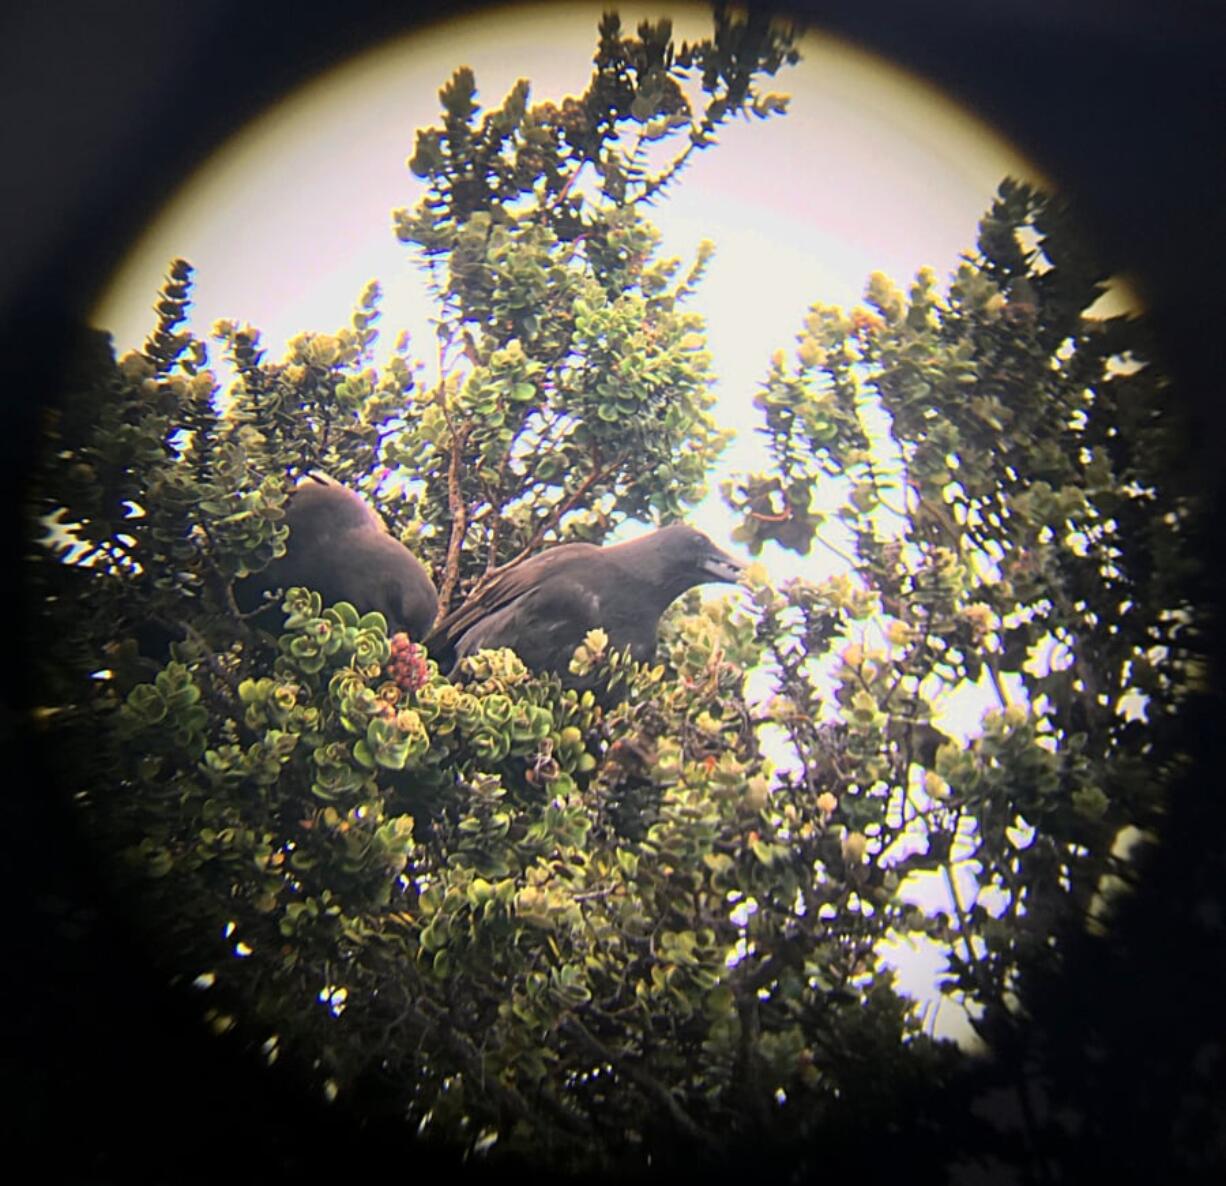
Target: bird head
[{"x": 690, "y": 552}]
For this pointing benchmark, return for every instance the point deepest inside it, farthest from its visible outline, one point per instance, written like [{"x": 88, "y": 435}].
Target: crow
[
  {"x": 543, "y": 607},
  {"x": 339, "y": 546}
]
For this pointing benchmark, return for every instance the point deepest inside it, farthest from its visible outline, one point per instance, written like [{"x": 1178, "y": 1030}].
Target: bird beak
[{"x": 723, "y": 567}]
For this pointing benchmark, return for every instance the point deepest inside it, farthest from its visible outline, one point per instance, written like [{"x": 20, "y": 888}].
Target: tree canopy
[{"x": 592, "y": 931}]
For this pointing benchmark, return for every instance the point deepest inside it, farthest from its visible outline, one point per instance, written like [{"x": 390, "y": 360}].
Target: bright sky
[{"x": 871, "y": 169}]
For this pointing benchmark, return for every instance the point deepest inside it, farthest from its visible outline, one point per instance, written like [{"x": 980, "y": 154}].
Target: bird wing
[
  {"x": 543, "y": 625},
  {"x": 504, "y": 589}
]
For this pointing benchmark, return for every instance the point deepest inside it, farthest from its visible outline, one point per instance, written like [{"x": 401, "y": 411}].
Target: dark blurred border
[{"x": 105, "y": 106}]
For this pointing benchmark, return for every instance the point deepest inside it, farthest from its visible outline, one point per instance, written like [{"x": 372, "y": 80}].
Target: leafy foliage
[
  {"x": 1044, "y": 553},
  {"x": 593, "y": 931}
]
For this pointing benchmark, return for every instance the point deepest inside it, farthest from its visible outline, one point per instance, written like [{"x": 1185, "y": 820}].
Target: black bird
[
  {"x": 543, "y": 607},
  {"x": 339, "y": 546}
]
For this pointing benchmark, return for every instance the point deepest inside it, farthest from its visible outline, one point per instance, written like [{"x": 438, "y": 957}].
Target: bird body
[
  {"x": 543, "y": 607},
  {"x": 339, "y": 546}
]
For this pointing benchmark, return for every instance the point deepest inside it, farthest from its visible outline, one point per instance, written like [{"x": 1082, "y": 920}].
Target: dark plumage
[
  {"x": 543, "y": 607},
  {"x": 339, "y": 546}
]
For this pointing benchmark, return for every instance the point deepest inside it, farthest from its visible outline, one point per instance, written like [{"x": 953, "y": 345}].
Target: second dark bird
[
  {"x": 339, "y": 546},
  {"x": 543, "y": 607}
]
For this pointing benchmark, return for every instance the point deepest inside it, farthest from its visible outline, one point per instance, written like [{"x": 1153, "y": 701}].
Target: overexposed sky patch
[{"x": 285, "y": 224}]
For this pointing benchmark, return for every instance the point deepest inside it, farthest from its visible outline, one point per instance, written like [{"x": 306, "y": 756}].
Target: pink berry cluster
[{"x": 407, "y": 666}]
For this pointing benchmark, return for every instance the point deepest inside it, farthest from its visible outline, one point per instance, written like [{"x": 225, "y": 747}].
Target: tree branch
[
  {"x": 554, "y": 517},
  {"x": 457, "y": 508},
  {"x": 650, "y": 1086},
  {"x": 597, "y": 475}
]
